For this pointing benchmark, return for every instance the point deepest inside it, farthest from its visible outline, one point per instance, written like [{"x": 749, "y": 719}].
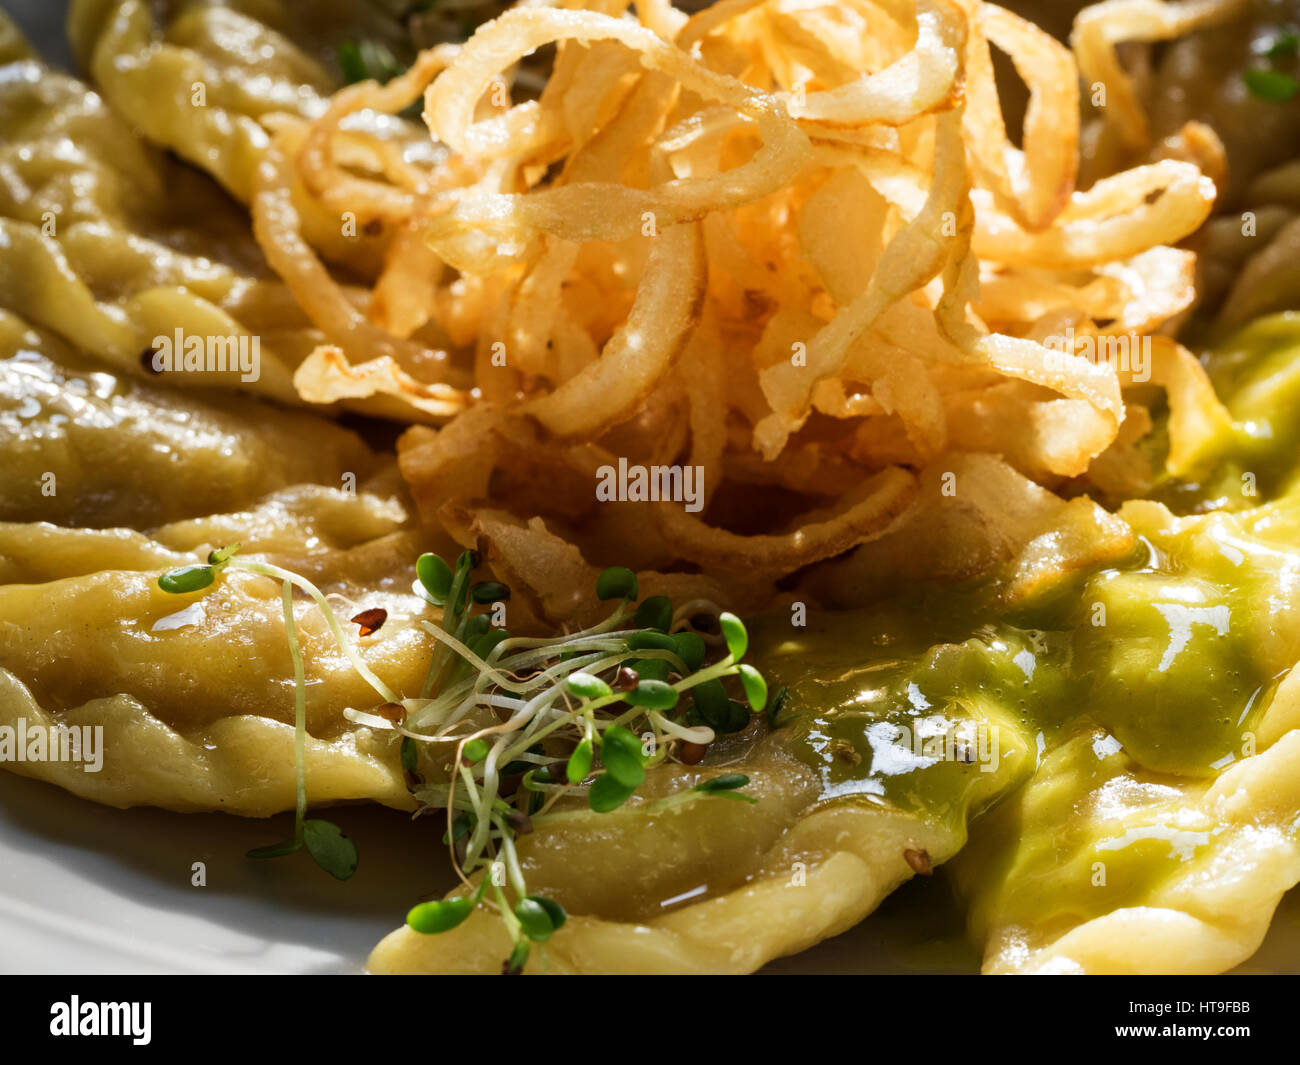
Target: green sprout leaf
[
  {"x": 737, "y": 717},
  {"x": 534, "y": 919},
  {"x": 475, "y": 751},
  {"x": 276, "y": 850},
  {"x": 711, "y": 702},
  {"x": 620, "y": 750},
  {"x": 651, "y": 669},
  {"x": 222, "y": 555},
  {"x": 1285, "y": 45},
  {"x": 608, "y": 793},
  {"x": 333, "y": 851},
  {"x": 652, "y": 694},
  {"x": 475, "y": 626},
  {"x": 585, "y": 686},
  {"x": 458, "y": 593},
  {"x": 725, "y": 782},
  {"x": 489, "y": 592},
  {"x": 579, "y": 762},
  {"x": 643, "y": 641},
  {"x": 351, "y": 64},
  {"x": 1271, "y": 85},
  {"x": 553, "y": 910},
  {"x": 617, "y": 582},
  {"x": 430, "y": 918},
  {"x": 755, "y": 687},
  {"x": 724, "y": 787},
  {"x": 435, "y": 577},
  {"x": 717, "y": 710},
  {"x": 733, "y": 631},
  {"x": 482, "y": 645},
  {"x": 777, "y": 705},
  {"x": 655, "y": 613},
  {"x": 186, "y": 579},
  {"x": 410, "y": 754},
  {"x": 362, "y": 60},
  {"x": 690, "y": 649},
  {"x": 734, "y": 796},
  {"x": 459, "y": 827}
]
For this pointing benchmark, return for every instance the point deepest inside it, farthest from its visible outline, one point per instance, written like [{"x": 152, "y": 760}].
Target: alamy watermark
[
  {"x": 79, "y": 1018},
  {"x": 651, "y": 484},
  {"x": 1127, "y": 353},
  {"x": 25, "y": 742},
  {"x": 208, "y": 354}
]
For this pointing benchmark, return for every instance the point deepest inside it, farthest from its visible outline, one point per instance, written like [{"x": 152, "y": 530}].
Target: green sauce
[
  {"x": 940, "y": 698},
  {"x": 945, "y": 701},
  {"x": 1256, "y": 373}
]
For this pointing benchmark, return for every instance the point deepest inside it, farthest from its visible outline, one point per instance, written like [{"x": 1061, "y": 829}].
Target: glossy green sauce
[
  {"x": 1256, "y": 373},
  {"x": 946, "y": 701},
  {"x": 941, "y": 697}
]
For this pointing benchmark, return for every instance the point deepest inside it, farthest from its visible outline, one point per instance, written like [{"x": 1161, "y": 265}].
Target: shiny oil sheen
[{"x": 1125, "y": 685}]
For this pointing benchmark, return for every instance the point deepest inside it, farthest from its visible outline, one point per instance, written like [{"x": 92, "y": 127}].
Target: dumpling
[
  {"x": 85, "y": 445},
  {"x": 109, "y": 244},
  {"x": 194, "y": 693},
  {"x": 1115, "y": 738}
]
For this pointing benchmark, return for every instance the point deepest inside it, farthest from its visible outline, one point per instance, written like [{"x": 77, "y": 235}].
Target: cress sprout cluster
[{"x": 506, "y": 727}]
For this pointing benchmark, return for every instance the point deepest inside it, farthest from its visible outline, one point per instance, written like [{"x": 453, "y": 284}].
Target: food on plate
[{"x": 719, "y": 465}]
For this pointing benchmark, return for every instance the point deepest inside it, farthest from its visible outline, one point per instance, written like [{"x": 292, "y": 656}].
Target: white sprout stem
[
  {"x": 350, "y": 652},
  {"x": 702, "y": 735},
  {"x": 478, "y": 838},
  {"x": 436, "y": 708},
  {"x": 599, "y": 628},
  {"x": 548, "y": 695},
  {"x": 438, "y": 661},
  {"x": 696, "y": 606},
  {"x": 724, "y": 668},
  {"x": 299, "y": 713},
  {"x": 671, "y": 657},
  {"x": 467, "y": 704},
  {"x": 471, "y": 849},
  {"x": 555, "y": 795},
  {"x": 535, "y": 732},
  {"x": 521, "y": 687},
  {"x": 360, "y": 717},
  {"x": 486, "y": 670},
  {"x": 542, "y": 702},
  {"x": 513, "y": 868},
  {"x": 512, "y": 922},
  {"x": 527, "y": 724}
]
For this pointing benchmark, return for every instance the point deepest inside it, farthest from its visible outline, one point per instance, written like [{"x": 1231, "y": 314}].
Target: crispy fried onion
[
  {"x": 1101, "y": 27},
  {"x": 721, "y": 293}
]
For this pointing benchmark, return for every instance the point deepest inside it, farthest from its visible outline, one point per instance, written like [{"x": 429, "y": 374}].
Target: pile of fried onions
[{"x": 787, "y": 244}]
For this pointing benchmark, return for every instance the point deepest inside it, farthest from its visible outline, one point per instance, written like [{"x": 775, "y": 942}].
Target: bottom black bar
[{"x": 364, "y": 1014}]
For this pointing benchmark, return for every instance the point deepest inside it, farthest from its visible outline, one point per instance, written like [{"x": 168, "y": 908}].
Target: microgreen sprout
[
  {"x": 755, "y": 687},
  {"x": 489, "y": 592},
  {"x": 187, "y": 579},
  {"x": 508, "y": 733},
  {"x": 616, "y": 582},
  {"x": 777, "y": 705},
  {"x": 366, "y": 59},
  {"x": 434, "y": 575},
  {"x": 1284, "y": 45},
  {"x": 1268, "y": 82},
  {"x": 655, "y": 613},
  {"x": 725, "y": 787},
  {"x": 1273, "y": 86},
  {"x": 323, "y": 840}
]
